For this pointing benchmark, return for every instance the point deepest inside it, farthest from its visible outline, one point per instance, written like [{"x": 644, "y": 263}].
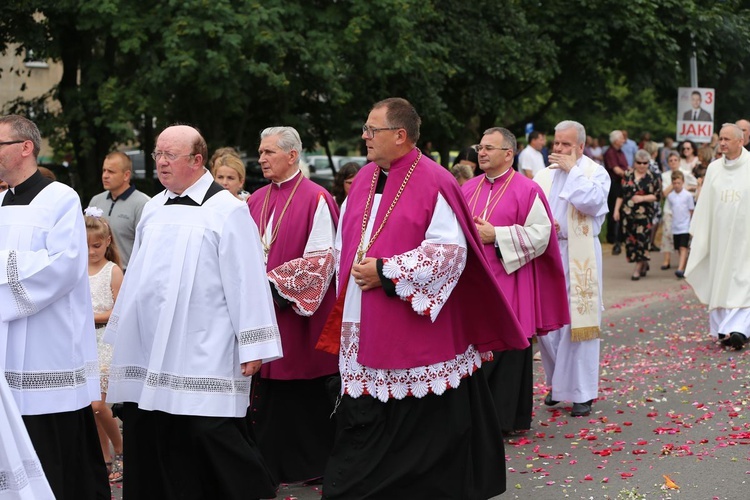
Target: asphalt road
[{"x": 671, "y": 403}]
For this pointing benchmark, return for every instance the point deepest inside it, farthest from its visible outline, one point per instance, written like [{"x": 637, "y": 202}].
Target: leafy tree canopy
[{"x": 234, "y": 67}]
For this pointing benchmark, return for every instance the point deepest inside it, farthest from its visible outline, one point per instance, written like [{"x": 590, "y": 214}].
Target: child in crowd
[
  {"x": 105, "y": 278},
  {"x": 690, "y": 184},
  {"x": 682, "y": 204}
]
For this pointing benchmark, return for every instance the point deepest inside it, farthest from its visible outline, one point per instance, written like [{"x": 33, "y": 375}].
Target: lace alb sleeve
[
  {"x": 427, "y": 275},
  {"x": 304, "y": 281}
]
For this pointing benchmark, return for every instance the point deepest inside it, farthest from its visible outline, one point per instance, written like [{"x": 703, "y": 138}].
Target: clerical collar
[
  {"x": 123, "y": 196},
  {"x": 278, "y": 184},
  {"x": 492, "y": 180},
  {"x": 25, "y": 192}
]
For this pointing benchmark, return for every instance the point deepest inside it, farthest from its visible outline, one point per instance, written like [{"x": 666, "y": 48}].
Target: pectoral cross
[{"x": 360, "y": 255}]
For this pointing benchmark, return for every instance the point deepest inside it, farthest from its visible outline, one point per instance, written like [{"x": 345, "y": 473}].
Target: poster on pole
[{"x": 695, "y": 114}]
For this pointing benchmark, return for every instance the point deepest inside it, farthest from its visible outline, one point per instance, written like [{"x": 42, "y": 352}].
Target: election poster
[{"x": 695, "y": 114}]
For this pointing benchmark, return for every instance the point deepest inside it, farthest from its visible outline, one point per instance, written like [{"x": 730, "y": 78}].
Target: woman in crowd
[
  {"x": 652, "y": 149},
  {"x": 635, "y": 209},
  {"x": 689, "y": 154},
  {"x": 229, "y": 171},
  {"x": 343, "y": 181}
]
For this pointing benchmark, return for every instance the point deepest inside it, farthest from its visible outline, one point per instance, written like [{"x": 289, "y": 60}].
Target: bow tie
[{"x": 182, "y": 200}]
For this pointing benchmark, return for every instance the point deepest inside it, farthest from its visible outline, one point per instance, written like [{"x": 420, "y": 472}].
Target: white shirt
[
  {"x": 531, "y": 159},
  {"x": 682, "y": 204}
]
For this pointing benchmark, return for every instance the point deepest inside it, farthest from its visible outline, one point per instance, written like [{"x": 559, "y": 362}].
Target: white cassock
[
  {"x": 572, "y": 368},
  {"x": 717, "y": 268},
  {"x": 45, "y": 306},
  {"x": 194, "y": 305}
]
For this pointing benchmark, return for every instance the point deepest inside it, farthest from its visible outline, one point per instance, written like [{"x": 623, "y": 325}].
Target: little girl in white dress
[{"x": 105, "y": 278}]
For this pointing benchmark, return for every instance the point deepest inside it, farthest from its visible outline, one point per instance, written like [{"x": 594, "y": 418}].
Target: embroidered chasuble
[{"x": 717, "y": 267}]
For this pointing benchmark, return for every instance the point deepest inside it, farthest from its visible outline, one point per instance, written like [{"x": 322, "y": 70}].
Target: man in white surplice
[
  {"x": 577, "y": 189},
  {"x": 717, "y": 268},
  {"x": 193, "y": 321},
  {"x": 47, "y": 339}
]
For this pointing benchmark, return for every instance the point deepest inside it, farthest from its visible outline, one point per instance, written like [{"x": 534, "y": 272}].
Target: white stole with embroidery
[{"x": 582, "y": 265}]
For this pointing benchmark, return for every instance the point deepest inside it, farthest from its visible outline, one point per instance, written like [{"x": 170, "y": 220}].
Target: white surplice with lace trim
[{"x": 425, "y": 276}]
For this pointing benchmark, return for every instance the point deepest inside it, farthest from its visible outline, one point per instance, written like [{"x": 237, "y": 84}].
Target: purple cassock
[
  {"x": 301, "y": 279},
  {"x": 392, "y": 335},
  {"x": 535, "y": 287}
]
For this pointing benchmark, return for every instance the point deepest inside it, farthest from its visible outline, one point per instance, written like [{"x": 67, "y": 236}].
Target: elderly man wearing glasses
[
  {"x": 193, "y": 322},
  {"x": 414, "y": 418}
]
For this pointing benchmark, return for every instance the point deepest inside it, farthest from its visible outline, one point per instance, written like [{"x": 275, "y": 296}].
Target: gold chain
[
  {"x": 362, "y": 249},
  {"x": 264, "y": 216},
  {"x": 475, "y": 197}
]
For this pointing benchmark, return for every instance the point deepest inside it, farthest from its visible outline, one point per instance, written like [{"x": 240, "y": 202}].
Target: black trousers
[
  {"x": 182, "y": 457},
  {"x": 292, "y": 424},
  {"x": 67, "y": 445},
  {"x": 613, "y": 228},
  {"x": 510, "y": 377}
]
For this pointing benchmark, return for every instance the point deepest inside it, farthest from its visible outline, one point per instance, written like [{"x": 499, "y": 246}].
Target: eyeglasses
[
  {"x": 370, "y": 131},
  {"x": 642, "y": 162},
  {"x": 156, "y": 155},
  {"x": 479, "y": 147},
  {"x": 8, "y": 143}
]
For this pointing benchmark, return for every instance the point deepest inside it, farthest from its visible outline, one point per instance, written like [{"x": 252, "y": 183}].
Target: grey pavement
[{"x": 671, "y": 403}]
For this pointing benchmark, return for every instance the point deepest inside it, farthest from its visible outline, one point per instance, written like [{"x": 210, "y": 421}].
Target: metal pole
[{"x": 693, "y": 65}]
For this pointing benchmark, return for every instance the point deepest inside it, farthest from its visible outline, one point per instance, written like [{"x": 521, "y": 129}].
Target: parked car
[
  {"x": 320, "y": 167},
  {"x": 138, "y": 157}
]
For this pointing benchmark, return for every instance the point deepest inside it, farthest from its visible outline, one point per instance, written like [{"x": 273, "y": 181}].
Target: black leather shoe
[
  {"x": 581, "y": 409},
  {"x": 616, "y": 250},
  {"x": 549, "y": 401},
  {"x": 737, "y": 340},
  {"x": 664, "y": 268}
]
